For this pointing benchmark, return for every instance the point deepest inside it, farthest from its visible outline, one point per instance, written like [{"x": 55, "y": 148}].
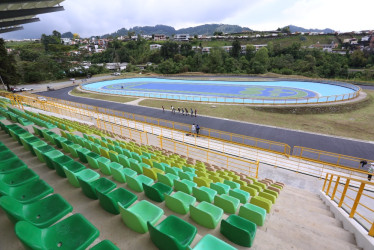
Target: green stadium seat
[
  {"x": 85, "y": 174},
  {"x": 271, "y": 192},
  {"x": 103, "y": 164},
  {"x": 232, "y": 184},
  {"x": 242, "y": 195},
  {"x": 111, "y": 201},
  {"x": 184, "y": 186},
  {"x": 220, "y": 188},
  {"x": 167, "y": 179},
  {"x": 73, "y": 149},
  {"x": 40, "y": 151},
  {"x": 204, "y": 194},
  {"x": 72, "y": 166},
  {"x": 156, "y": 191},
  {"x": 179, "y": 202},
  {"x": 159, "y": 166},
  {"x": 80, "y": 234},
  {"x": 124, "y": 161},
  {"x": 238, "y": 230},
  {"x": 50, "y": 156},
  {"x": 28, "y": 192},
  {"x": 119, "y": 173},
  {"x": 90, "y": 188},
  {"x": 211, "y": 242},
  {"x": 250, "y": 190},
  {"x": 137, "y": 216},
  {"x": 136, "y": 183},
  {"x": 267, "y": 196},
  {"x": 228, "y": 203},
  {"x": 206, "y": 214},
  {"x": 92, "y": 160},
  {"x": 41, "y": 213},
  {"x": 18, "y": 178},
  {"x": 11, "y": 164},
  {"x": 186, "y": 176},
  {"x": 172, "y": 233},
  {"x": 253, "y": 213},
  {"x": 202, "y": 181},
  {"x": 82, "y": 154},
  {"x": 261, "y": 202},
  {"x": 152, "y": 172}
]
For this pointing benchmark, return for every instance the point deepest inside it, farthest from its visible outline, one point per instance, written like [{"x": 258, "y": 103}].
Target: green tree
[
  {"x": 260, "y": 62},
  {"x": 8, "y": 71},
  {"x": 250, "y": 52},
  {"x": 358, "y": 59},
  {"x": 169, "y": 50},
  {"x": 236, "y": 49}
]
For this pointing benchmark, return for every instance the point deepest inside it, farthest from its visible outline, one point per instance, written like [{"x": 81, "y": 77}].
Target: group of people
[
  {"x": 182, "y": 110},
  {"x": 370, "y": 168}
]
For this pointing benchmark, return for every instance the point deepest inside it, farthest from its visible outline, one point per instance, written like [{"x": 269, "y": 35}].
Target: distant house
[
  {"x": 206, "y": 50},
  {"x": 324, "y": 47},
  {"x": 66, "y": 41},
  {"x": 259, "y": 46},
  {"x": 182, "y": 37},
  {"x": 155, "y": 46},
  {"x": 116, "y": 66},
  {"x": 371, "y": 44},
  {"x": 227, "y": 48},
  {"x": 159, "y": 37}
]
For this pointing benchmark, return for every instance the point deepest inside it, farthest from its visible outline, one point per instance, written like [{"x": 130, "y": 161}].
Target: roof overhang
[{"x": 13, "y": 13}]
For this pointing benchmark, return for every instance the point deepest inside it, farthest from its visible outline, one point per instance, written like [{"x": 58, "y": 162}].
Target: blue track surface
[{"x": 224, "y": 91}]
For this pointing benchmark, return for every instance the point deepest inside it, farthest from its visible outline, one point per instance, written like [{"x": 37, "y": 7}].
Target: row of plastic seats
[
  {"x": 27, "y": 202},
  {"x": 30, "y": 118},
  {"x": 75, "y": 125},
  {"x": 141, "y": 216},
  {"x": 15, "y": 117}
]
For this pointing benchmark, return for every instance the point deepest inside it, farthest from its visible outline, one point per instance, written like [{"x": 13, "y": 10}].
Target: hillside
[
  {"x": 294, "y": 28},
  {"x": 206, "y": 29}
]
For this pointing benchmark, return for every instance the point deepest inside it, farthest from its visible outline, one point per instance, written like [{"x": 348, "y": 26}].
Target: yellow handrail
[{"x": 356, "y": 206}]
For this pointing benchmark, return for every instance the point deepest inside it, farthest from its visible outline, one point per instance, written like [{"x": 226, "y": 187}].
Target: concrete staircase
[{"x": 300, "y": 220}]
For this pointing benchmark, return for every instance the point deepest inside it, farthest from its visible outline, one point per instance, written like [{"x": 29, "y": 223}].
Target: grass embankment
[
  {"x": 122, "y": 99},
  {"x": 353, "y": 120}
]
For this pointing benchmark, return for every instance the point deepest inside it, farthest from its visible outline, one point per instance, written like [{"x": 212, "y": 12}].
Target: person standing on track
[
  {"x": 191, "y": 112},
  {"x": 195, "y": 112},
  {"x": 193, "y": 129},
  {"x": 163, "y": 109},
  {"x": 370, "y": 171},
  {"x": 186, "y": 111}
]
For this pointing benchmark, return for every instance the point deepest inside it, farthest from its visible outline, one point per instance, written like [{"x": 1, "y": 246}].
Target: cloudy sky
[{"x": 98, "y": 17}]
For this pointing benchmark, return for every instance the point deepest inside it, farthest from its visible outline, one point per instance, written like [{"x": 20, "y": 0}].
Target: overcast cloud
[{"x": 98, "y": 17}]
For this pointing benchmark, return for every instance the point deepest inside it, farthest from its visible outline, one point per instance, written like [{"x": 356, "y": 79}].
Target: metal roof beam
[
  {"x": 18, "y": 22},
  {"x": 28, "y": 12},
  {"x": 11, "y": 29},
  {"x": 23, "y": 1}
]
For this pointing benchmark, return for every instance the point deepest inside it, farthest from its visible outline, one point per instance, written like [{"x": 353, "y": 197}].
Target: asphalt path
[{"x": 293, "y": 138}]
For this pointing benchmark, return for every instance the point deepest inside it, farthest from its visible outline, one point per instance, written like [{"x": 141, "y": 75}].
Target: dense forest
[{"x": 49, "y": 59}]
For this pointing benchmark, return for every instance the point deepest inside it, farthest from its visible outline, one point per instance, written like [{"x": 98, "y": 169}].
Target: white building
[
  {"x": 155, "y": 46},
  {"x": 182, "y": 37}
]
